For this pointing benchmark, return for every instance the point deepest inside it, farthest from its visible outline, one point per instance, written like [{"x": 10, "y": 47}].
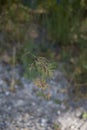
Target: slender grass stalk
[{"x": 12, "y": 88}]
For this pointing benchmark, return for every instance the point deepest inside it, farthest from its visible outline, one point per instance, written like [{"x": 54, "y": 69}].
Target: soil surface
[{"x": 29, "y": 107}]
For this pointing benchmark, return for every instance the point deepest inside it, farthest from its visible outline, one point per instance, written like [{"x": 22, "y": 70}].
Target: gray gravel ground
[{"x": 28, "y": 109}]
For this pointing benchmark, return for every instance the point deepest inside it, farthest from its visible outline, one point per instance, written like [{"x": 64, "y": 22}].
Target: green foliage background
[{"x": 65, "y": 23}]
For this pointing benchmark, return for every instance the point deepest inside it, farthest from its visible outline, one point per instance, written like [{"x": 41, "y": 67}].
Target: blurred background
[{"x": 53, "y": 29}]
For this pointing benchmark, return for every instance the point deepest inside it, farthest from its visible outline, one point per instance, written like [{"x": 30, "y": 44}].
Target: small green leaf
[{"x": 84, "y": 115}]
